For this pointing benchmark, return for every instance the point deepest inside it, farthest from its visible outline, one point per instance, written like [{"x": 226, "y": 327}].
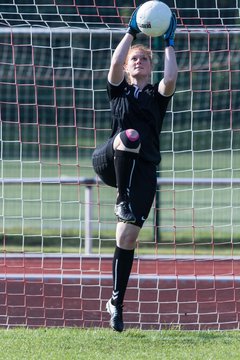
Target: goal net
[{"x": 57, "y": 226}]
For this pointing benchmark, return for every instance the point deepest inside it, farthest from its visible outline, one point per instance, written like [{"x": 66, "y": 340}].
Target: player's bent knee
[
  {"x": 126, "y": 235},
  {"x": 130, "y": 138}
]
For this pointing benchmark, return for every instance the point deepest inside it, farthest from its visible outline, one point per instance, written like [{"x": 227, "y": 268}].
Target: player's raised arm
[
  {"x": 116, "y": 71},
  {"x": 168, "y": 83}
]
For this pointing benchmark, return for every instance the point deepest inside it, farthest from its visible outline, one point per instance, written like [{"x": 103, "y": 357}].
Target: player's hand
[
  {"x": 170, "y": 33},
  {"x": 133, "y": 28}
]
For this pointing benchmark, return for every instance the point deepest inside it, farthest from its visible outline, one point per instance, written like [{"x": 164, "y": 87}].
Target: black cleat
[
  {"x": 124, "y": 212},
  {"x": 116, "y": 321}
]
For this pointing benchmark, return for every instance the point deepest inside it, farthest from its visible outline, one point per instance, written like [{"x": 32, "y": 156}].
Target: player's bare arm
[
  {"x": 116, "y": 71},
  {"x": 168, "y": 83}
]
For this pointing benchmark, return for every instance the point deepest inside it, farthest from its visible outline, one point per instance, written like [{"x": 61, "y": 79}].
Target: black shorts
[{"x": 144, "y": 180}]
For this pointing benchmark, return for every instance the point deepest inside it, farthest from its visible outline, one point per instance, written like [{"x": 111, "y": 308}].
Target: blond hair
[{"x": 141, "y": 47}]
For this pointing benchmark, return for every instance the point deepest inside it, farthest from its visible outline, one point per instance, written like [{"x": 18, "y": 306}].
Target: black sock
[
  {"x": 124, "y": 163},
  {"x": 122, "y": 265}
]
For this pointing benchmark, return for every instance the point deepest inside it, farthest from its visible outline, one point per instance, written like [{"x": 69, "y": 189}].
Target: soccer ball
[{"x": 153, "y": 18}]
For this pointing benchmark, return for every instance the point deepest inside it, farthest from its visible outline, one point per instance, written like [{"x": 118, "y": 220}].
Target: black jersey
[{"x": 142, "y": 110}]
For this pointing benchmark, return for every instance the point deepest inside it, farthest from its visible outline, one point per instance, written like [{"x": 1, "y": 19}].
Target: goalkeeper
[{"x": 129, "y": 158}]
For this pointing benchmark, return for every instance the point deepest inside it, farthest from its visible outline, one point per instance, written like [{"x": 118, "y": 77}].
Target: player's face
[{"x": 138, "y": 64}]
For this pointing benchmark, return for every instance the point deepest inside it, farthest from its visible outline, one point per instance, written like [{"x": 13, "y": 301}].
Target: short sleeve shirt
[{"x": 142, "y": 110}]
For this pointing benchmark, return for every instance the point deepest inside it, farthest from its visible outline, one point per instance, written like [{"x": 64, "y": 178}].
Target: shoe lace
[{"x": 127, "y": 206}]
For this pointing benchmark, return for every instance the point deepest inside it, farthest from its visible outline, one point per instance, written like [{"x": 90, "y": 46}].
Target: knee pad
[{"x": 128, "y": 140}]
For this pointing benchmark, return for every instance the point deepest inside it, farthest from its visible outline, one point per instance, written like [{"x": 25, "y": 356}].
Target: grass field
[{"x": 104, "y": 344}]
